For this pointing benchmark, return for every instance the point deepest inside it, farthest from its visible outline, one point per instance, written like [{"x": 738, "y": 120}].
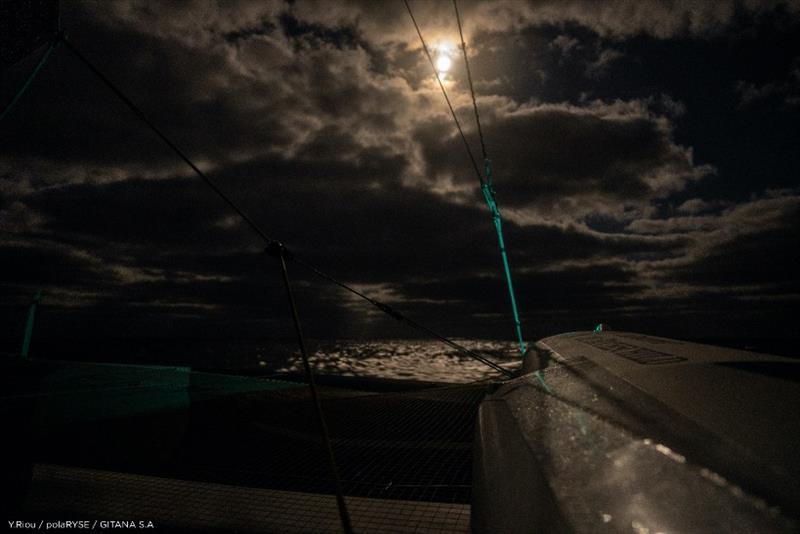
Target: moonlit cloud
[{"x": 617, "y": 155}]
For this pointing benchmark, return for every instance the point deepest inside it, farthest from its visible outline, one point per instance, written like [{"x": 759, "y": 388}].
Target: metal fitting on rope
[{"x": 277, "y": 249}]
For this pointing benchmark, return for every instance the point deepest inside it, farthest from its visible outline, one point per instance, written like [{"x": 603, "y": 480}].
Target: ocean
[
  {"x": 402, "y": 359},
  {"x": 430, "y": 361}
]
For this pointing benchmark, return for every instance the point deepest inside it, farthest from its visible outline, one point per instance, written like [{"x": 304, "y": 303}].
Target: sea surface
[
  {"x": 421, "y": 360},
  {"x": 430, "y": 361},
  {"x": 402, "y": 359}
]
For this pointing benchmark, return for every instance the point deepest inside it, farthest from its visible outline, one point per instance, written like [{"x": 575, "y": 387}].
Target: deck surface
[
  {"x": 203, "y": 506},
  {"x": 215, "y": 452}
]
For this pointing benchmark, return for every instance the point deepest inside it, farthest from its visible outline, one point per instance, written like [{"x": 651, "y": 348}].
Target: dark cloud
[
  {"x": 617, "y": 153},
  {"x": 747, "y": 249},
  {"x": 594, "y": 158},
  {"x": 565, "y": 44},
  {"x": 787, "y": 91},
  {"x": 47, "y": 264}
]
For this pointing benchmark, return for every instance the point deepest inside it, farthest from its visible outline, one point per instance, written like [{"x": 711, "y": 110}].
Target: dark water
[
  {"x": 403, "y": 359},
  {"x": 396, "y": 359}
]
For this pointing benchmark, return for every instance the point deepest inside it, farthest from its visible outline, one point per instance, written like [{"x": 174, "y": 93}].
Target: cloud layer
[{"x": 322, "y": 120}]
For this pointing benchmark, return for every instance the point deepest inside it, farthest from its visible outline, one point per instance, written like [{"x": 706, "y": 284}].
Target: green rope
[
  {"x": 488, "y": 194},
  {"x": 26, "y": 342},
  {"x": 30, "y": 79}
]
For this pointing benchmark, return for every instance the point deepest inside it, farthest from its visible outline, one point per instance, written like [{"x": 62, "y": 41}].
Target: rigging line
[
  {"x": 486, "y": 185},
  {"x": 469, "y": 78},
  {"x": 340, "y": 501},
  {"x": 402, "y": 318},
  {"x": 444, "y": 92},
  {"x": 488, "y": 193},
  {"x": 269, "y": 241},
  {"x": 139, "y": 113},
  {"x": 30, "y": 79},
  {"x": 344, "y": 514}
]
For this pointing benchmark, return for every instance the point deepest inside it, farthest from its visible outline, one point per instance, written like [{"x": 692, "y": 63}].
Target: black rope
[
  {"x": 469, "y": 78},
  {"x": 444, "y": 92},
  {"x": 486, "y": 185},
  {"x": 344, "y": 515},
  {"x": 402, "y": 318},
  {"x": 271, "y": 243},
  {"x": 139, "y": 113}
]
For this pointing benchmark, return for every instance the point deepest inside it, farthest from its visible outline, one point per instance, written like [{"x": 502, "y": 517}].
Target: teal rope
[
  {"x": 30, "y": 79},
  {"x": 488, "y": 194},
  {"x": 26, "y": 342}
]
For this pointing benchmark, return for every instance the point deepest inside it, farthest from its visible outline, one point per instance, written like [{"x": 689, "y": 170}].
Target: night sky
[{"x": 645, "y": 155}]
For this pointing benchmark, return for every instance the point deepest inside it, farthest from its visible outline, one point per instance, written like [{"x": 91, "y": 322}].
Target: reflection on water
[
  {"x": 401, "y": 359},
  {"x": 398, "y": 359}
]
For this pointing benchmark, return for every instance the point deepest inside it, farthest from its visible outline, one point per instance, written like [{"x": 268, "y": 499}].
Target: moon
[
  {"x": 443, "y": 63},
  {"x": 443, "y": 60}
]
